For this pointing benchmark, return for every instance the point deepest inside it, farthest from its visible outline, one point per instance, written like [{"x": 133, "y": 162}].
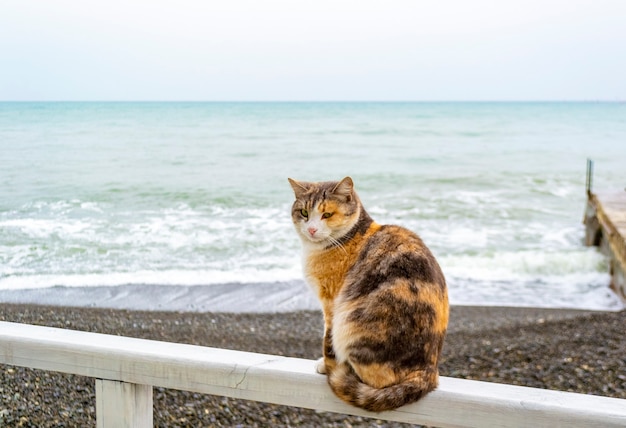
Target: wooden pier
[{"x": 605, "y": 221}]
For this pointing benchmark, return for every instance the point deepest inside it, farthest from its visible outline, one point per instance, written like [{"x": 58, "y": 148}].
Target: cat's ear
[
  {"x": 299, "y": 188},
  {"x": 344, "y": 188}
]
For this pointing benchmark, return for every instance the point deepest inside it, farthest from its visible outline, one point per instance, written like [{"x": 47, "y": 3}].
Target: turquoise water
[{"x": 197, "y": 193}]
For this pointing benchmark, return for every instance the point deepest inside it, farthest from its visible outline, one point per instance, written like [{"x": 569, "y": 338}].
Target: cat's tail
[{"x": 346, "y": 384}]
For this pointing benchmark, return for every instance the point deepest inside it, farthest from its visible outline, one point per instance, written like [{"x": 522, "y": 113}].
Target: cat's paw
[{"x": 320, "y": 366}]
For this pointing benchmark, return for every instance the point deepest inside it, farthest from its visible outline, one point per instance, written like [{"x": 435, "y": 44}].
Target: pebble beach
[{"x": 568, "y": 350}]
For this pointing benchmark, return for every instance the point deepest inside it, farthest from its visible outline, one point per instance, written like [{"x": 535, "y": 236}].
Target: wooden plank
[
  {"x": 123, "y": 405},
  {"x": 612, "y": 206},
  {"x": 608, "y": 213},
  {"x": 291, "y": 381}
]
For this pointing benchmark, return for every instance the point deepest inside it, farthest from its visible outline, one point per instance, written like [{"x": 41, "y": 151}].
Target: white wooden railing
[{"x": 126, "y": 369}]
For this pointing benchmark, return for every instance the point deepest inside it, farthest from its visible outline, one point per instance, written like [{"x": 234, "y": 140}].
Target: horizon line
[{"x": 617, "y": 101}]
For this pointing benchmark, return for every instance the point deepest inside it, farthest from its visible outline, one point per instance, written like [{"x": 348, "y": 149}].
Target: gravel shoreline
[{"x": 569, "y": 350}]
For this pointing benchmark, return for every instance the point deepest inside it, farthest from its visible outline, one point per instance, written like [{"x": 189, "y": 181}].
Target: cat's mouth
[{"x": 316, "y": 238}]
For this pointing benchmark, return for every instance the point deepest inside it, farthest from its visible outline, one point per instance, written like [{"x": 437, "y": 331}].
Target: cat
[{"x": 383, "y": 295}]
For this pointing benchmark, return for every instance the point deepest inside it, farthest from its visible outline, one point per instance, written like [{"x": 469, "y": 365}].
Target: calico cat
[{"x": 383, "y": 294}]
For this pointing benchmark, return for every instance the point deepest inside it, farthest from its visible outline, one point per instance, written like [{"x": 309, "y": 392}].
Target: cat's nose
[{"x": 312, "y": 231}]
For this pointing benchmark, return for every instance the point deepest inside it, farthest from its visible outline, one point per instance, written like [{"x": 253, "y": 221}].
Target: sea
[{"x": 157, "y": 197}]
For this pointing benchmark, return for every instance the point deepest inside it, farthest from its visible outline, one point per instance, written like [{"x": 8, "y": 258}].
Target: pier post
[{"x": 589, "y": 181}]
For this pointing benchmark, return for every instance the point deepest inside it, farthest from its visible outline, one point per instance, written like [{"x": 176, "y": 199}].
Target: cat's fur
[{"x": 383, "y": 294}]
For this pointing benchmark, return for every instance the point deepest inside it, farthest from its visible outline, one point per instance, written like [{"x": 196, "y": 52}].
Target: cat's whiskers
[{"x": 337, "y": 243}]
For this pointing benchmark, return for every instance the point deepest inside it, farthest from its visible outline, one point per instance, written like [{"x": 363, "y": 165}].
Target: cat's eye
[
  {"x": 304, "y": 213},
  {"x": 327, "y": 215}
]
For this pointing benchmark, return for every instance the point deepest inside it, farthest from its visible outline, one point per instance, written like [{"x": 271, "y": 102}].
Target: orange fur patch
[
  {"x": 329, "y": 267},
  {"x": 377, "y": 375}
]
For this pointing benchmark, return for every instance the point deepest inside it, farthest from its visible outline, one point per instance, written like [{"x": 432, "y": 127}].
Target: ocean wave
[
  {"x": 526, "y": 265},
  {"x": 147, "y": 277}
]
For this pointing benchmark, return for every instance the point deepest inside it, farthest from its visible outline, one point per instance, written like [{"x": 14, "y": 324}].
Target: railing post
[{"x": 123, "y": 405}]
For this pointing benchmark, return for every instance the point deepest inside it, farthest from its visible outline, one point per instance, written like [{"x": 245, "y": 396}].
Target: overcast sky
[{"x": 217, "y": 50}]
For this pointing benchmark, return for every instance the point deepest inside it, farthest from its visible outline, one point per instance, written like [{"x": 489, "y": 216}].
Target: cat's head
[{"x": 325, "y": 211}]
